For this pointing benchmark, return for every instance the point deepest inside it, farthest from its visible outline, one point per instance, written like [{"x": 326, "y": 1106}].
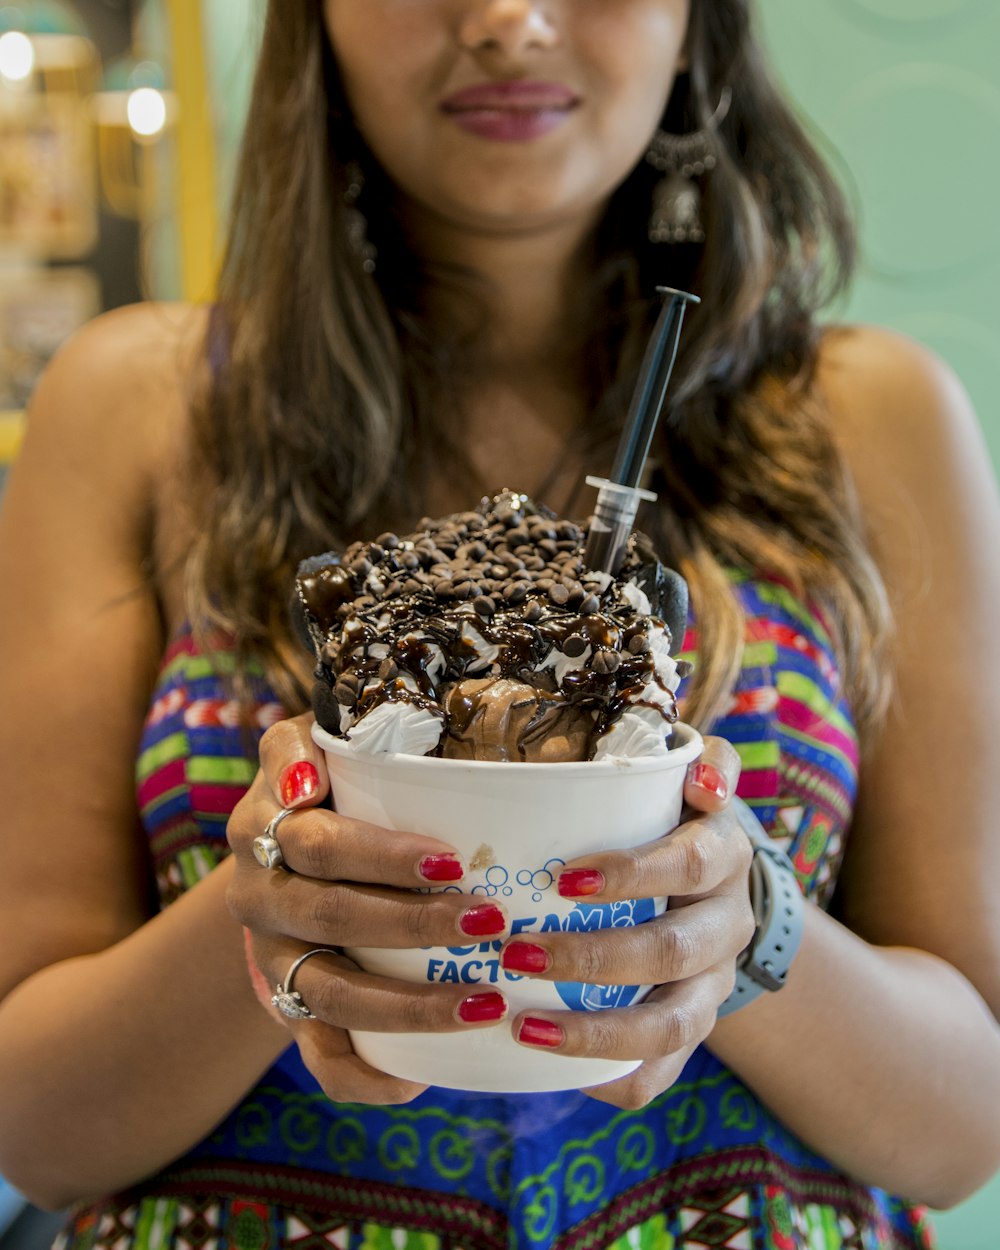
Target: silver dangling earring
[
  {"x": 676, "y": 216},
  {"x": 357, "y": 223}
]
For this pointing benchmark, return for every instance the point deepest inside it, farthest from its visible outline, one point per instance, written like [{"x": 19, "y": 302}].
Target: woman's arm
[
  {"x": 881, "y": 1051},
  {"x": 121, "y": 1042}
]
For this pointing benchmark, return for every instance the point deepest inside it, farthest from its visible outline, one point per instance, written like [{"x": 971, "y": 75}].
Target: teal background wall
[{"x": 907, "y": 95}]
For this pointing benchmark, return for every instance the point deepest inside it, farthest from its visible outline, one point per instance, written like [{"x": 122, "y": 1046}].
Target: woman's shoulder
[
  {"x": 901, "y": 416},
  {"x": 140, "y": 358},
  {"x": 116, "y": 395},
  {"x": 882, "y": 386}
]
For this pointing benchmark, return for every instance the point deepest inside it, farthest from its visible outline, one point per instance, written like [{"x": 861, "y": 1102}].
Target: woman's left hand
[{"x": 689, "y": 953}]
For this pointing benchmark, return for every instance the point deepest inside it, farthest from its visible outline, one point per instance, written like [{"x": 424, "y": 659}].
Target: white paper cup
[{"x": 516, "y": 825}]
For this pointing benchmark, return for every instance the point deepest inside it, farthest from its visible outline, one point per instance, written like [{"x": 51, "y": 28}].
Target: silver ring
[
  {"x": 267, "y": 849},
  {"x": 288, "y": 1001}
]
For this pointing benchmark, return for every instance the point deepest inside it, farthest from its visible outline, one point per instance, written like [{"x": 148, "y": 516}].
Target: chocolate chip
[
  {"x": 445, "y": 590},
  {"x": 516, "y": 593},
  {"x": 532, "y": 611},
  {"x": 638, "y": 644},
  {"x": 590, "y": 605},
  {"x": 606, "y": 662},
  {"x": 574, "y": 646},
  {"x": 485, "y": 607},
  {"x": 558, "y": 594},
  {"x": 388, "y": 670},
  {"x": 346, "y": 695},
  {"x": 392, "y": 590},
  {"x": 388, "y": 540},
  {"x": 413, "y": 586}
]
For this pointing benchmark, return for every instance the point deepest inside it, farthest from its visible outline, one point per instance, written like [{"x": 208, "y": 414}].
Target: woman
[{"x": 439, "y": 282}]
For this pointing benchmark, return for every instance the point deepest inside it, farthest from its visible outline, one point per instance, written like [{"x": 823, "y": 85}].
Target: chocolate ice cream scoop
[
  {"x": 498, "y": 718},
  {"x": 491, "y": 640}
]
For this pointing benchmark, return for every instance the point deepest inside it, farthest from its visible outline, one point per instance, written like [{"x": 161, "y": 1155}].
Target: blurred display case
[{"x": 85, "y": 124}]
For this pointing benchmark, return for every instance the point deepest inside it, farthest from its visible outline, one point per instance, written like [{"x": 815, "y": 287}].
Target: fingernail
[
  {"x": 482, "y": 1007},
  {"x": 535, "y": 1032},
  {"x": 524, "y": 957},
  {"x": 485, "y": 921},
  {"x": 579, "y": 882},
  {"x": 441, "y": 868},
  {"x": 709, "y": 778},
  {"x": 298, "y": 781}
]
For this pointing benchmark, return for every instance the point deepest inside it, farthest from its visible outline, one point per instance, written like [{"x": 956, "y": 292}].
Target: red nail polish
[
  {"x": 535, "y": 1032},
  {"x": 579, "y": 882},
  {"x": 482, "y": 1007},
  {"x": 709, "y": 778},
  {"x": 485, "y": 921},
  {"x": 441, "y": 868},
  {"x": 524, "y": 957},
  {"x": 298, "y": 782}
]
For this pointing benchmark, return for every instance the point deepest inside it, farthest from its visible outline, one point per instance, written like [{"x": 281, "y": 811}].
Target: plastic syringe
[{"x": 619, "y": 496}]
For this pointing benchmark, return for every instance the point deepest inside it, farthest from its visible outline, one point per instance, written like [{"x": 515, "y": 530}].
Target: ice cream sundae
[{"x": 483, "y": 636}]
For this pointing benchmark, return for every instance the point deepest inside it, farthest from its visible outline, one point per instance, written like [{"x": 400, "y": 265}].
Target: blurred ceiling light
[
  {"x": 146, "y": 110},
  {"x": 44, "y": 47},
  {"x": 134, "y": 113},
  {"x": 17, "y": 56}
]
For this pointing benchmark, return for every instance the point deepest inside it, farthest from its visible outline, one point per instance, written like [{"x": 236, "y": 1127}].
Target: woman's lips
[{"x": 510, "y": 112}]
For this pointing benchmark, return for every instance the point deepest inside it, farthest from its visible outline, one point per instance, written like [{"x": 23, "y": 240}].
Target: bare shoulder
[
  {"x": 892, "y": 400},
  {"x": 125, "y": 380},
  {"x": 106, "y": 441},
  {"x": 905, "y": 424}
]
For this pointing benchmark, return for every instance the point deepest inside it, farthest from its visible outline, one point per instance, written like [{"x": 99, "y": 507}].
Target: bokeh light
[{"x": 17, "y": 56}]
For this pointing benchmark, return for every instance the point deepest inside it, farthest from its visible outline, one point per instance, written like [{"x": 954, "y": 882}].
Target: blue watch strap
[{"x": 779, "y": 909}]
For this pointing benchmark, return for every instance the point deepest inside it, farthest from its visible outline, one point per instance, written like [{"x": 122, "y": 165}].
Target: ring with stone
[
  {"x": 267, "y": 849},
  {"x": 289, "y": 1001}
]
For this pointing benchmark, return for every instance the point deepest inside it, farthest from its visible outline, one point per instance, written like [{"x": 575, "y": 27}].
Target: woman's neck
[{"x": 533, "y": 283}]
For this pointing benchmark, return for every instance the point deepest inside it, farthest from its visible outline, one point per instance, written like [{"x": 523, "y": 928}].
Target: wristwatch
[{"x": 779, "y": 909}]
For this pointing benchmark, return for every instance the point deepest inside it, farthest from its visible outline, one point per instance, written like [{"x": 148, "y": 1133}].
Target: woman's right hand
[{"x": 349, "y": 884}]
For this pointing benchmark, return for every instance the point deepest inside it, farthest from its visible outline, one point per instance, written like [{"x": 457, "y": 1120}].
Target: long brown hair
[{"x": 328, "y": 381}]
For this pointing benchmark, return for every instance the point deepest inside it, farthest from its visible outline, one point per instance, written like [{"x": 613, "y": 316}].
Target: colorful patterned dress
[{"x": 704, "y": 1165}]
